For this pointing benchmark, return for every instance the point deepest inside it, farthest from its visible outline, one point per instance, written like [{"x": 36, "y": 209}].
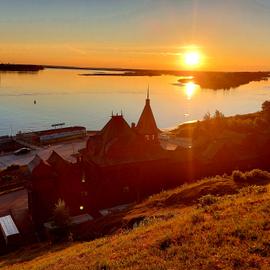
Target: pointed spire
[
  {"x": 147, "y": 124},
  {"x": 147, "y": 101}
]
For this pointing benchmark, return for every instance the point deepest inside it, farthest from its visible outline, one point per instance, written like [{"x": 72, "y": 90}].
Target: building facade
[{"x": 120, "y": 164}]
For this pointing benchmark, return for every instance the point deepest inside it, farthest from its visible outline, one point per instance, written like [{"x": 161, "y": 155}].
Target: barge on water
[{"x": 50, "y": 136}]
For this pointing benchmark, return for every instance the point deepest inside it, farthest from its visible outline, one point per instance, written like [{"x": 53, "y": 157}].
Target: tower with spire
[{"x": 147, "y": 126}]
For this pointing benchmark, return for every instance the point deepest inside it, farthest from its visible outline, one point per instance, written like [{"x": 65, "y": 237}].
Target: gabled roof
[
  {"x": 118, "y": 143},
  {"x": 36, "y": 162},
  {"x": 58, "y": 163},
  {"x": 56, "y": 160},
  {"x": 147, "y": 123},
  {"x": 116, "y": 127}
]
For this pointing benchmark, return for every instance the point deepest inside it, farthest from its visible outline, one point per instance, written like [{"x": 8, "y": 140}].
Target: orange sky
[{"x": 231, "y": 35}]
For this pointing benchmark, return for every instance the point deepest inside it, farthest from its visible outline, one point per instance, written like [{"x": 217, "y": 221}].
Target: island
[{"x": 21, "y": 67}]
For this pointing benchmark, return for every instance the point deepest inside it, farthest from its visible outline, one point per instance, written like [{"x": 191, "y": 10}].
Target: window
[
  {"x": 84, "y": 193},
  {"x": 83, "y": 178}
]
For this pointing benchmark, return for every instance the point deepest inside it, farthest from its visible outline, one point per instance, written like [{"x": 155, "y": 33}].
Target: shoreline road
[
  {"x": 64, "y": 149},
  {"x": 69, "y": 148},
  {"x": 14, "y": 200}
]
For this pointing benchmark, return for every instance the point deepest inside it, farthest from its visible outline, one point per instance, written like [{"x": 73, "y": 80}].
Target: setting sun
[{"x": 192, "y": 59}]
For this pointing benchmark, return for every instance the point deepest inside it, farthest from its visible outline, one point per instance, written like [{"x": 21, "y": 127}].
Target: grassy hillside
[{"x": 217, "y": 223}]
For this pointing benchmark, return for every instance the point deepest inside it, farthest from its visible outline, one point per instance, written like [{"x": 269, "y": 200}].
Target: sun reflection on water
[{"x": 190, "y": 89}]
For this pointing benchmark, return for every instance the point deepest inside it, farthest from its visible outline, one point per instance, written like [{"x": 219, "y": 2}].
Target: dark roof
[
  {"x": 147, "y": 124},
  {"x": 116, "y": 130},
  {"x": 36, "y": 162},
  {"x": 56, "y": 160},
  {"x": 59, "y": 130},
  {"x": 116, "y": 127},
  {"x": 118, "y": 143}
]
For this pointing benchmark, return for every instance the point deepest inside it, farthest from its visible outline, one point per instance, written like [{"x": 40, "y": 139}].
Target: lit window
[
  {"x": 81, "y": 207},
  {"x": 83, "y": 178}
]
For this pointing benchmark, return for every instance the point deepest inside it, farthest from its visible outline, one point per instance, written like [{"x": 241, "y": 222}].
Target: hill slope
[{"x": 180, "y": 229}]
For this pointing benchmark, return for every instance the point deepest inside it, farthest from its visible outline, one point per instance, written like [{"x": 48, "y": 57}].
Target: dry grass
[{"x": 225, "y": 231}]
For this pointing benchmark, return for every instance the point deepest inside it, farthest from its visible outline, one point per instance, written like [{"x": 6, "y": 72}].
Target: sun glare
[
  {"x": 190, "y": 89},
  {"x": 192, "y": 59}
]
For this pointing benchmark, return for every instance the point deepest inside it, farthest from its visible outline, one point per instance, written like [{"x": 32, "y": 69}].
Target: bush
[
  {"x": 61, "y": 216},
  {"x": 253, "y": 189},
  {"x": 238, "y": 176},
  {"x": 61, "y": 219},
  {"x": 197, "y": 218},
  {"x": 266, "y": 110},
  {"x": 258, "y": 174},
  {"x": 7, "y": 177},
  {"x": 207, "y": 200},
  {"x": 13, "y": 167},
  {"x": 250, "y": 176}
]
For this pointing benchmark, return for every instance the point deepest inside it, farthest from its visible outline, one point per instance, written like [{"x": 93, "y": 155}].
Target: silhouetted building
[
  {"x": 147, "y": 125},
  {"x": 50, "y": 180},
  {"x": 123, "y": 163},
  {"x": 120, "y": 164}
]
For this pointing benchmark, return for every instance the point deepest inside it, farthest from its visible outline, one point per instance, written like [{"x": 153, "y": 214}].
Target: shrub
[
  {"x": 253, "y": 189},
  {"x": 13, "y": 167},
  {"x": 207, "y": 200},
  {"x": 61, "y": 216},
  {"x": 197, "y": 218},
  {"x": 102, "y": 266},
  {"x": 218, "y": 115},
  {"x": 165, "y": 243},
  {"x": 255, "y": 174},
  {"x": 238, "y": 176},
  {"x": 266, "y": 107},
  {"x": 7, "y": 177},
  {"x": 207, "y": 116},
  {"x": 258, "y": 175}
]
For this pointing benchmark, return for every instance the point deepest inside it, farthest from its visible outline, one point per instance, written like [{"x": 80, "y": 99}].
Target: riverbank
[{"x": 20, "y": 67}]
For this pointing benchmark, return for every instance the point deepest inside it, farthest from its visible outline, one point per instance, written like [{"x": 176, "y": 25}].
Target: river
[{"x": 62, "y": 95}]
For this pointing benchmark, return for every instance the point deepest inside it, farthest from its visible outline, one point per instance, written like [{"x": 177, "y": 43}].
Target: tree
[
  {"x": 266, "y": 107},
  {"x": 218, "y": 115},
  {"x": 61, "y": 215},
  {"x": 207, "y": 116},
  {"x": 266, "y": 110}
]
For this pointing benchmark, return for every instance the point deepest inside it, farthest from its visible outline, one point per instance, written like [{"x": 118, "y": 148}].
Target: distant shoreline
[
  {"x": 214, "y": 80},
  {"x": 206, "y": 79},
  {"x": 20, "y": 67}
]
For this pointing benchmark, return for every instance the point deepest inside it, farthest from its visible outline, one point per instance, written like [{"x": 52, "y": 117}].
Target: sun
[{"x": 192, "y": 58}]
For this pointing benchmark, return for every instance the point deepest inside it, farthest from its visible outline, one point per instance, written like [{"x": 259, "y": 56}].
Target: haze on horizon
[{"x": 229, "y": 35}]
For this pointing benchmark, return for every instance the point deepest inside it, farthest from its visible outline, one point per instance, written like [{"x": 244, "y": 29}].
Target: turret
[{"x": 147, "y": 124}]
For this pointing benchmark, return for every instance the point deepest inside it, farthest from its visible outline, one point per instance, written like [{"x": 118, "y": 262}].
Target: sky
[{"x": 230, "y": 35}]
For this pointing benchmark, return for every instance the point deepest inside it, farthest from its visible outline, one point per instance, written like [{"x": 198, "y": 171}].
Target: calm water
[{"x": 63, "y": 96}]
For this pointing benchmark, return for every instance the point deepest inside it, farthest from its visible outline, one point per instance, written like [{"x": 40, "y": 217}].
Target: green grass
[{"x": 216, "y": 223}]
